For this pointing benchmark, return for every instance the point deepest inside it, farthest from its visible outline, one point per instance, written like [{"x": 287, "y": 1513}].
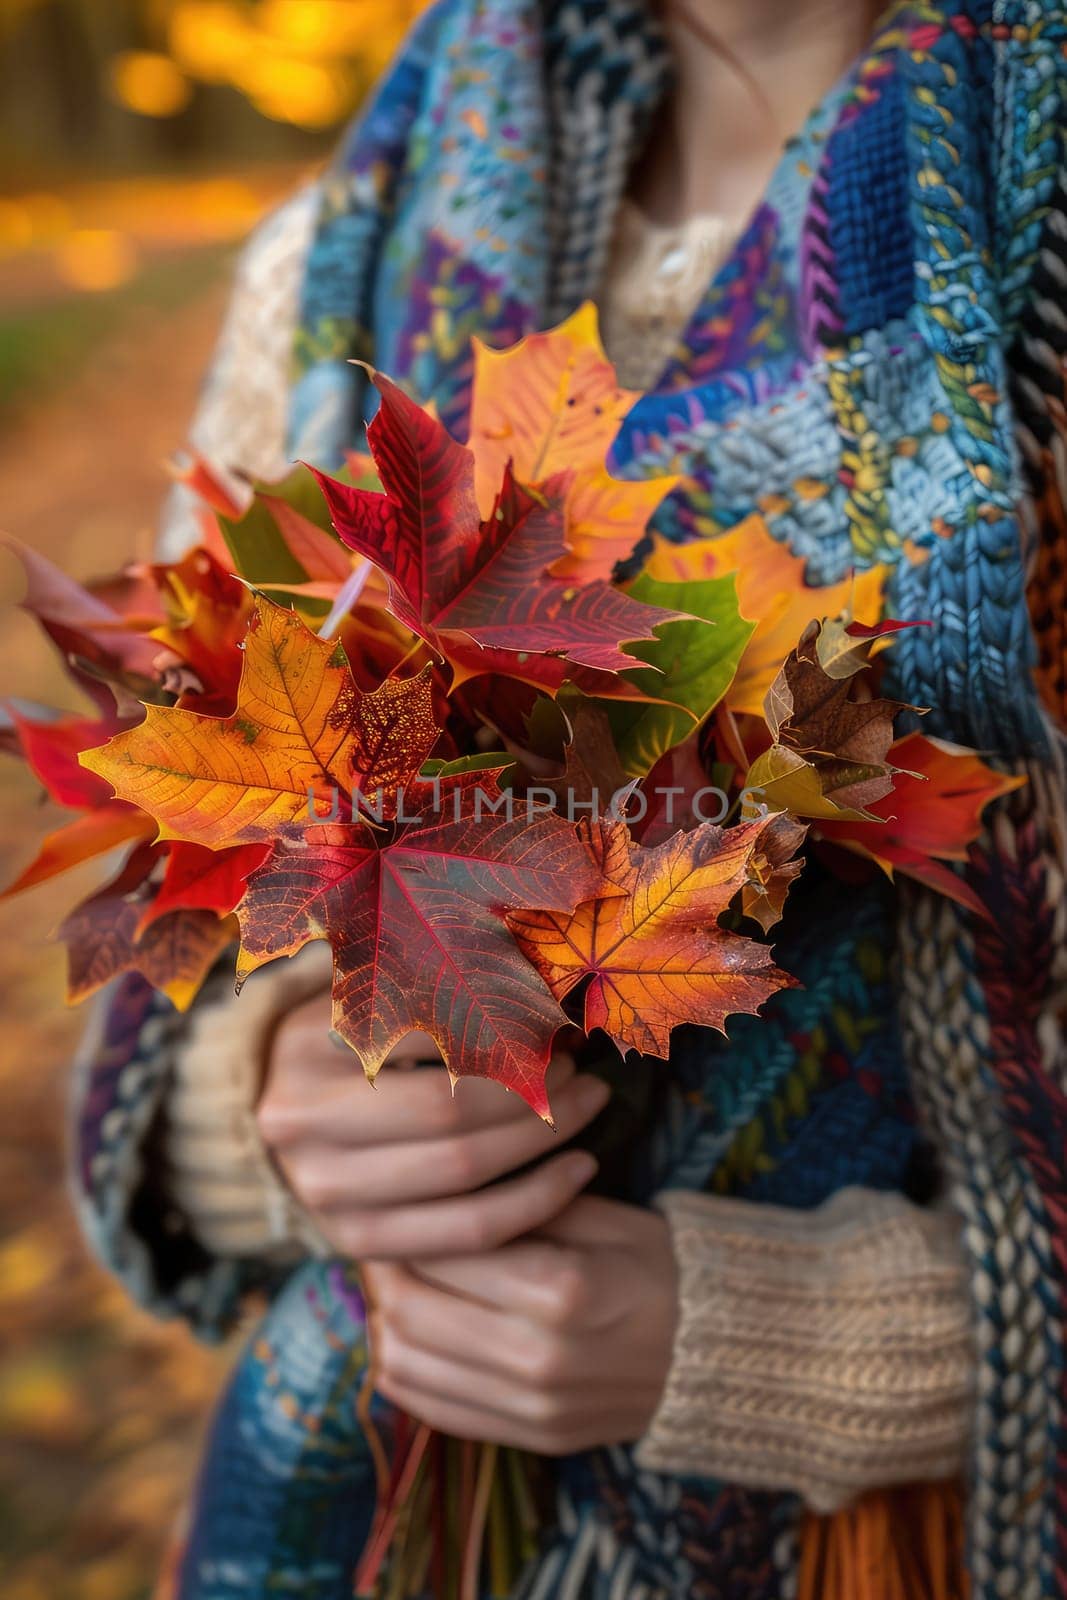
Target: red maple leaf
[
  {"x": 51, "y": 747},
  {"x": 199, "y": 879},
  {"x": 415, "y": 915},
  {"x": 931, "y": 816},
  {"x": 468, "y": 586},
  {"x": 208, "y": 612},
  {"x": 104, "y": 937},
  {"x": 98, "y": 644}
]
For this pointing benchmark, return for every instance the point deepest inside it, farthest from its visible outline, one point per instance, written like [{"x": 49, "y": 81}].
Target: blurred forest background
[{"x": 139, "y": 141}]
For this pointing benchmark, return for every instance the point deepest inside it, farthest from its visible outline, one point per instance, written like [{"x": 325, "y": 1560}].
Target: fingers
[
  {"x": 409, "y": 1313},
  {"x": 342, "y": 1180},
  {"x": 592, "y": 1220},
  {"x": 401, "y": 1107},
  {"x": 436, "y": 1378},
  {"x": 307, "y": 1044},
  {"x": 419, "y": 1330},
  {"x": 469, "y": 1223},
  {"x": 531, "y": 1277},
  {"x": 414, "y": 1050},
  {"x": 578, "y": 1426},
  {"x": 540, "y": 1344},
  {"x": 306, "y": 1058}
]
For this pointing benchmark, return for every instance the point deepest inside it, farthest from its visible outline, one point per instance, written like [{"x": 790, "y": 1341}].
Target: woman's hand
[
  {"x": 398, "y": 1170},
  {"x": 556, "y": 1343}
]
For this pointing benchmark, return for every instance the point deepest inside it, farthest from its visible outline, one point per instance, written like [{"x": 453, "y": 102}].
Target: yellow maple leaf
[
  {"x": 771, "y": 592},
  {"x": 552, "y": 404}
]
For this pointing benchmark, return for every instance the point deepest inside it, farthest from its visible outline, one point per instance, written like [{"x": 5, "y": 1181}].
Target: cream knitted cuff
[
  {"x": 218, "y": 1172},
  {"x": 824, "y": 1352}
]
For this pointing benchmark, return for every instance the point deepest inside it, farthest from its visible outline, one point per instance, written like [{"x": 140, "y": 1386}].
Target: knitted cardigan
[{"x": 879, "y": 370}]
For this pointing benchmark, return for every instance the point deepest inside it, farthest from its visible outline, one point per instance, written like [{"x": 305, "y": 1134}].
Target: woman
[{"x": 857, "y": 336}]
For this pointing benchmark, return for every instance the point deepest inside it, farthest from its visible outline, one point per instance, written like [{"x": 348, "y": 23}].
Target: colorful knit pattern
[{"x": 879, "y": 370}]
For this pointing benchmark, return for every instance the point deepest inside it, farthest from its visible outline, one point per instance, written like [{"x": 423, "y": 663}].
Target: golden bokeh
[
  {"x": 95, "y": 259},
  {"x": 306, "y": 93},
  {"x": 298, "y": 61},
  {"x": 210, "y": 39},
  {"x": 149, "y": 83}
]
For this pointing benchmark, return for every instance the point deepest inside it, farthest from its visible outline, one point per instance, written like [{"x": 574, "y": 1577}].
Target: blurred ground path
[
  {"x": 77, "y": 258},
  {"x": 100, "y": 1408}
]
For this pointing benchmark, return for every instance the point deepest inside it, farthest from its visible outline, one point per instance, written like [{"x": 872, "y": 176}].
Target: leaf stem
[
  {"x": 347, "y": 595},
  {"x": 472, "y": 1556}
]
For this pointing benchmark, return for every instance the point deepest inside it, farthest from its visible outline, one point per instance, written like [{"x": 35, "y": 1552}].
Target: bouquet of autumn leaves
[
  {"x": 409, "y": 711},
  {"x": 414, "y": 711}
]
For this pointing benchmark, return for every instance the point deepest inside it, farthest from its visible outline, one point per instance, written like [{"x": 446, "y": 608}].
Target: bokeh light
[
  {"x": 16, "y": 229},
  {"x": 95, "y": 259},
  {"x": 307, "y": 24},
  {"x": 298, "y": 61},
  {"x": 149, "y": 83},
  {"x": 210, "y": 39},
  {"x": 307, "y": 94},
  {"x": 330, "y": 27}
]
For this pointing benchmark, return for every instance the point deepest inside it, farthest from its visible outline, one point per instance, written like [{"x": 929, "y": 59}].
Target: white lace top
[{"x": 654, "y": 282}]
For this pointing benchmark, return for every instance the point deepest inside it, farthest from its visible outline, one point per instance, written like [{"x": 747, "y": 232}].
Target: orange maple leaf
[
  {"x": 651, "y": 945},
  {"x": 302, "y": 732}
]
